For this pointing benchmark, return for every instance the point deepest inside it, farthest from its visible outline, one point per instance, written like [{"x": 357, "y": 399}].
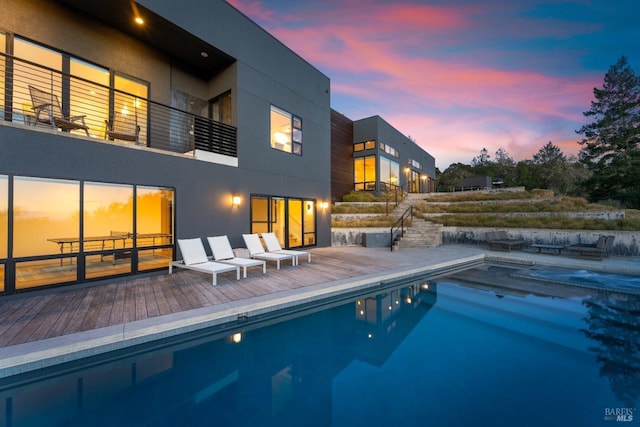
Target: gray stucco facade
[
  {"x": 258, "y": 70},
  {"x": 416, "y": 166}
]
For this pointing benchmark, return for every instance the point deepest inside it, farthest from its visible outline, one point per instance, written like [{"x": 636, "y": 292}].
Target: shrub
[{"x": 360, "y": 196}]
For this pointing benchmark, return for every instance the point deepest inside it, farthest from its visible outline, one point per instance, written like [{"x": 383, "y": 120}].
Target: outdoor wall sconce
[
  {"x": 236, "y": 200},
  {"x": 236, "y": 338},
  {"x": 324, "y": 205}
]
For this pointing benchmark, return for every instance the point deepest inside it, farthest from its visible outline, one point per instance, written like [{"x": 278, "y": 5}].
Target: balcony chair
[
  {"x": 222, "y": 252},
  {"x": 273, "y": 246},
  {"x": 123, "y": 127},
  {"x": 47, "y": 110}
]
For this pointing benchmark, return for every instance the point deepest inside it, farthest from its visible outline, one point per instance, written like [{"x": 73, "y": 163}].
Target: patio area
[{"x": 45, "y": 328}]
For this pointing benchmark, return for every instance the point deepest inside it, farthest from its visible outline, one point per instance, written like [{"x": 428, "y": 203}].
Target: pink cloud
[{"x": 395, "y": 62}]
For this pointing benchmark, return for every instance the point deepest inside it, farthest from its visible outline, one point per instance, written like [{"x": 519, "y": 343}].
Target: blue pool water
[{"x": 422, "y": 354}]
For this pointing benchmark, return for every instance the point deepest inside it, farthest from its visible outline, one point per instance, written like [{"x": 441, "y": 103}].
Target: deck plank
[{"x": 45, "y": 315}]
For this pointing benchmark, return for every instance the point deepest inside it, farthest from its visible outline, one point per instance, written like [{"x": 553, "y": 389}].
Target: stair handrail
[{"x": 398, "y": 227}]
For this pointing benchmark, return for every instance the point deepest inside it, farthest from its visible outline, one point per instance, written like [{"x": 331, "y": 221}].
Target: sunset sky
[{"x": 457, "y": 76}]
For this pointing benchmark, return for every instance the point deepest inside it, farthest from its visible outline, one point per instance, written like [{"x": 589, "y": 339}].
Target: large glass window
[
  {"x": 364, "y": 169},
  {"x": 4, "y": 225},
  {"x": 51, "y": 245},
  {"x": 46, "y": 216},
  {"x": 4, "y": 215},
  {"x": 25, "y": 74},
  {"x": 3, "y": 69},
  {"x": 292, "y": 220},
  {"x": 108, "y": 226},
  {"x": 309, "y": 224},
  {"x": 46, "y": 221},
  {"x": 286, "y": 131},
  {"x": 295, "y": 223},
  {"x": 87, "y": 99},
  {"x": 389, "y": 173},
  {"x": 84, "y": 92},
  {"x": 130, "y": 105},
  {"x": 259, "y": 214},
  {"x": 154, "y": 226}
]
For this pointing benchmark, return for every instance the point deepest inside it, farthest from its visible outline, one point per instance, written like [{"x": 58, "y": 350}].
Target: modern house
[
  {"x": 127, "y": 125},
  {"x": 371, "y": 155}
]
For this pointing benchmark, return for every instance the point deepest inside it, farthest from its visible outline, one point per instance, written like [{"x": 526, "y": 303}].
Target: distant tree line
[{"x": 607, "y": 168}]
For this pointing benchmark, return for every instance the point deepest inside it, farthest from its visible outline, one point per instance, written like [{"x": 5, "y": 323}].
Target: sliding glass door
[{"x": 292, "y": 220}]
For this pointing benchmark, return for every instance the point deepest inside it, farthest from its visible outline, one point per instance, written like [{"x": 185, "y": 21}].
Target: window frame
[{"x": 293, "y": 134}]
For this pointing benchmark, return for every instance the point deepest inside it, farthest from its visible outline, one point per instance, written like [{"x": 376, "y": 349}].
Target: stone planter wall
[{"x": 626, "y": 243}]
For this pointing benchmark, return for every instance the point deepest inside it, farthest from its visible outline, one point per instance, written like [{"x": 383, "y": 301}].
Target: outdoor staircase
[{"x": 421, "y": 233}]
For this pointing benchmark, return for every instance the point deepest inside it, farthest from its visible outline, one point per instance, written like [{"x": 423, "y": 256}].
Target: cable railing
[{"x": 107, "y": 113}]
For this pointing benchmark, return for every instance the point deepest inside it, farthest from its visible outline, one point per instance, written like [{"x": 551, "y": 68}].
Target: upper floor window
[
  {"x": 389, "y": 150},
  {"x": 286, "y": 131},
  {"x": 87, "y": 90},
  {"x": 367, "y": 145}
]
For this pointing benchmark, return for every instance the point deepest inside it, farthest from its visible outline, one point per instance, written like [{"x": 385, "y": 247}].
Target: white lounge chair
[
  {"x": 195, "y": 258},
  {"x": 223, "y": 253},
  {"x": 273, "y": 246},
  {"x": 257, "y": 251}
]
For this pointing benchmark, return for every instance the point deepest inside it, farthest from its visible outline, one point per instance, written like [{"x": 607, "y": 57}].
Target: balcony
[{"x": 107, "y": 113}]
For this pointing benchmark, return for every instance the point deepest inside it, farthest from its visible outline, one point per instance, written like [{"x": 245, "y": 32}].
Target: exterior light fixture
[
  {"x": 138, "y": 20},
  {"x": 236, "y": 200},
  {"x": 324, "y": 205},
  {"x": 236, "y": 338},
  {"x": 204, "y": 54}
]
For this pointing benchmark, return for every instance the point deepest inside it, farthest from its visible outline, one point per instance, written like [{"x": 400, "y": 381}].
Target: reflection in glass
[
  {"x": 25, "y": 74},
  {"x": 108, "y": 264},
  {"x": 30, "y": 274},
  {"x": 150, "y": 259},
  {"x": 108, "y": 212},
  {"x": 4, "y": 215},
  {"x": 154, "y": 216},
  {"x": 46, "y": 216}
]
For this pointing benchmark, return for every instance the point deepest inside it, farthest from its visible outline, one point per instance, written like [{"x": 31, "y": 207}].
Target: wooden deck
[{"x": 46, "y": 314}]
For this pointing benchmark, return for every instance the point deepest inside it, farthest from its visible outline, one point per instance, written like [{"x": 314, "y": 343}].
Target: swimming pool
[{"x": 423, "y": 353}]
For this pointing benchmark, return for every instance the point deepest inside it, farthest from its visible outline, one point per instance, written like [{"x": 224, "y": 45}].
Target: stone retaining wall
[
  {"x": 353, "y": 236},
  {"x": 605, "y": 215},
  {"x": 626, "y": 243}
]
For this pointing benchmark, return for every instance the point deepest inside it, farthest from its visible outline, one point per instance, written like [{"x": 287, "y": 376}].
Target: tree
[
  {"x": 610, "y": 147},
  {"x": 552, "y": 168},
  {"x": 549, "y": 154},
  {"x": 505, "y": 168},
  {"x": 482, "y": 160},
  {"x": 448, "y": 180}
]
